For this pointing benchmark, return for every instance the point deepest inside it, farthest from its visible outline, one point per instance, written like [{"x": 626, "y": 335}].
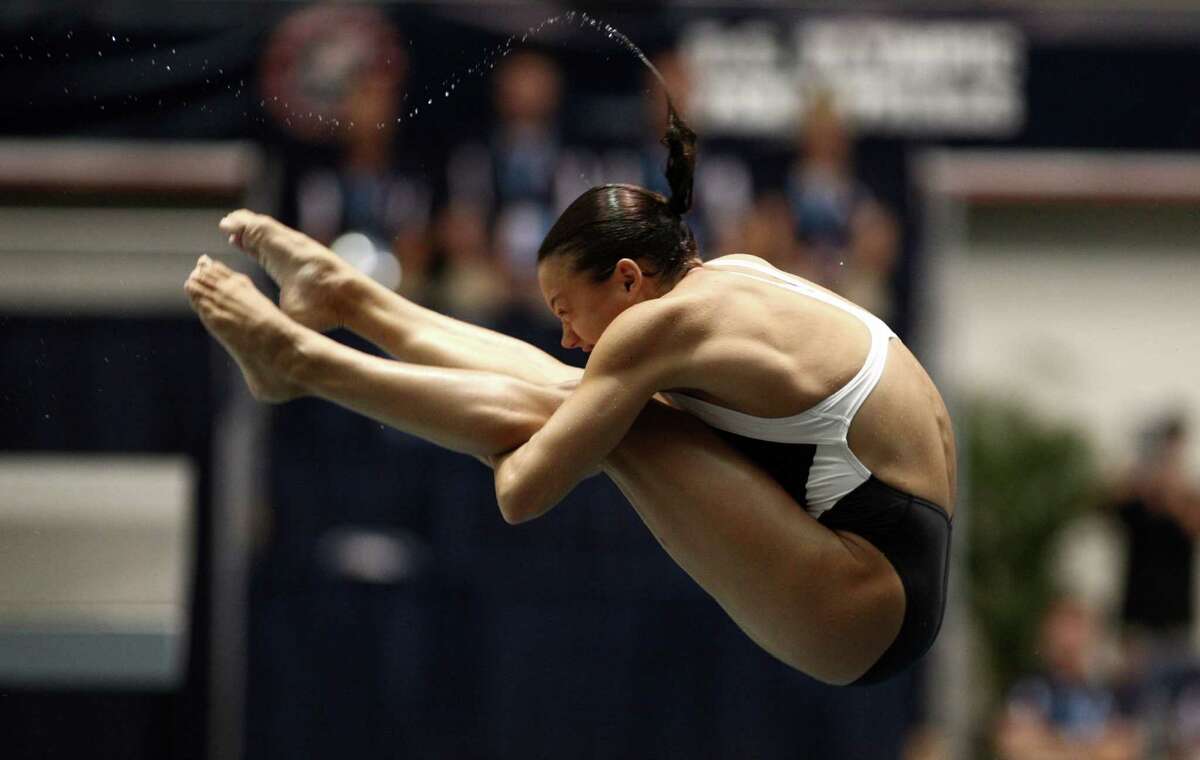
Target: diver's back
[{"x": 776, "y": 345}]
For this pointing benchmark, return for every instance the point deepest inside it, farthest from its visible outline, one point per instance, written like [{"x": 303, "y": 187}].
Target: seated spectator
[
  {"x": 511, "y": 178},
  {"x": 473, "y": 286},
  {"x": 1066, "y": 711},
  {"x": 850, "y": 240}
]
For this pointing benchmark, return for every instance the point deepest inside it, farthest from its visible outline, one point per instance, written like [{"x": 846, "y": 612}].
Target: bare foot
[
  {"x": 309, "y": 275},
  {"x": 248, "y": 325}
]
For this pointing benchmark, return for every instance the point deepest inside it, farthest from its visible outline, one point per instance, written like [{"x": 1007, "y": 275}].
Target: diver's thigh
[{"x": 826, "y": 603}]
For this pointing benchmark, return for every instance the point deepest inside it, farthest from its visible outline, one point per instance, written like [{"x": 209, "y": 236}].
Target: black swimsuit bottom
[{"x": 914, "y": 535}]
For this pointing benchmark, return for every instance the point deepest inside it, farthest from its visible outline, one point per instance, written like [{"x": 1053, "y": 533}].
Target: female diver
[{"x": 781, "y": 443}]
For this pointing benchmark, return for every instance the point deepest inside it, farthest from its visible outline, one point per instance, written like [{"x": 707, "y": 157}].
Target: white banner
[{"x": 908, "y": 78}]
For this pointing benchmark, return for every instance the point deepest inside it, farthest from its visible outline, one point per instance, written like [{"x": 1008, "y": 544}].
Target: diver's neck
[{"x": 667, "y": 287}]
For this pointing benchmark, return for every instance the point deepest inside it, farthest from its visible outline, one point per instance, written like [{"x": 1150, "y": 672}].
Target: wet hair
[{"x": 611, "y": 222}]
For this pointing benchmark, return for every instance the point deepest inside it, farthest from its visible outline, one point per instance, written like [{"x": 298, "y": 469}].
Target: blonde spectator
[{"x": 849, "y": 240}]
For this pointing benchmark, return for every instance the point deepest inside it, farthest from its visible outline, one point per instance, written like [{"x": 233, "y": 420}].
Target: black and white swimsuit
[
  {"x": 808, "y": 454},
  {"x": 833, "y": 471}
]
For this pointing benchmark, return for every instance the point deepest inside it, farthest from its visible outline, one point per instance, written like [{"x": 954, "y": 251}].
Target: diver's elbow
[
  {"x": 516, "y": 510},
  {"x": 516, "y": 504},
  {"x": 520, "y": 505}
]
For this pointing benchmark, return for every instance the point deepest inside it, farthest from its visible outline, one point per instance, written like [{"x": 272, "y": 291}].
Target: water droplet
[
  {"x": 168, "y": 67},
  {"x": 114, "y": 37},
  {"x": 429, "y": 102},
  {"x": 446, "y": 93}
]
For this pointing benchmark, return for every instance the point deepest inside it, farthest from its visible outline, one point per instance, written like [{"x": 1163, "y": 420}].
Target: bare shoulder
[
  {"x": 745, "y": 257},
  {"x": 648, "y": 325},
  {"x": 653, "y": 336}
]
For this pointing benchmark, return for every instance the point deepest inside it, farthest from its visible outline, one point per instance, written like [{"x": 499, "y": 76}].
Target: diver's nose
[{"x": 569, "y": 338}]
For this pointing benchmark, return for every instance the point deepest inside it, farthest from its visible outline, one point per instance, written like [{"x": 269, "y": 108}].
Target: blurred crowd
[
  {"x": 463, "y": 237},
  {"x": 1119, "y": 672}
]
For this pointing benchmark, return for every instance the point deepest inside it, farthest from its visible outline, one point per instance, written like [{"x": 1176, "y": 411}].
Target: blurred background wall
[{"x": 1011, "y": 185}]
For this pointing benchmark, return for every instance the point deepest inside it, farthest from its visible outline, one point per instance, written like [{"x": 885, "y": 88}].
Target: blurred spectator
[
  {"x": 513, "y": 181},
  {"x": 472, "y": 285},
  {"x": 334, "y": 73},
  {"x": 373, "y": 191},
  {"x": 849, "y": 240},
  {"x": 1159, "y": 511},
  {"x": 1066, "y": 711},
  {"x": 767, "y": 231}
]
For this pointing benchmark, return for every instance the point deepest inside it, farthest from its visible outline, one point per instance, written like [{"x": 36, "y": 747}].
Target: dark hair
[{"x": 611, "y": 222}]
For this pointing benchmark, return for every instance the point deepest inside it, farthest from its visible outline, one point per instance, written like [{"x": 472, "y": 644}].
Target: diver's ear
[{"x": 630, "y": 274}]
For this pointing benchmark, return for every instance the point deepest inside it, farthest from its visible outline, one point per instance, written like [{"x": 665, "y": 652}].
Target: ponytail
[
  {"x": 609, "y": 222},
  {"x": 681, "y": 160}
]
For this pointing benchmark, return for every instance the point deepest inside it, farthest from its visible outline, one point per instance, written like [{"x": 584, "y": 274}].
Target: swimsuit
[{"x": 807, "y": 453}]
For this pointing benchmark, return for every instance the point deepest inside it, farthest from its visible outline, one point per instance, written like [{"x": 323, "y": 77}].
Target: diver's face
[{"x": 584, "y": 307}]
